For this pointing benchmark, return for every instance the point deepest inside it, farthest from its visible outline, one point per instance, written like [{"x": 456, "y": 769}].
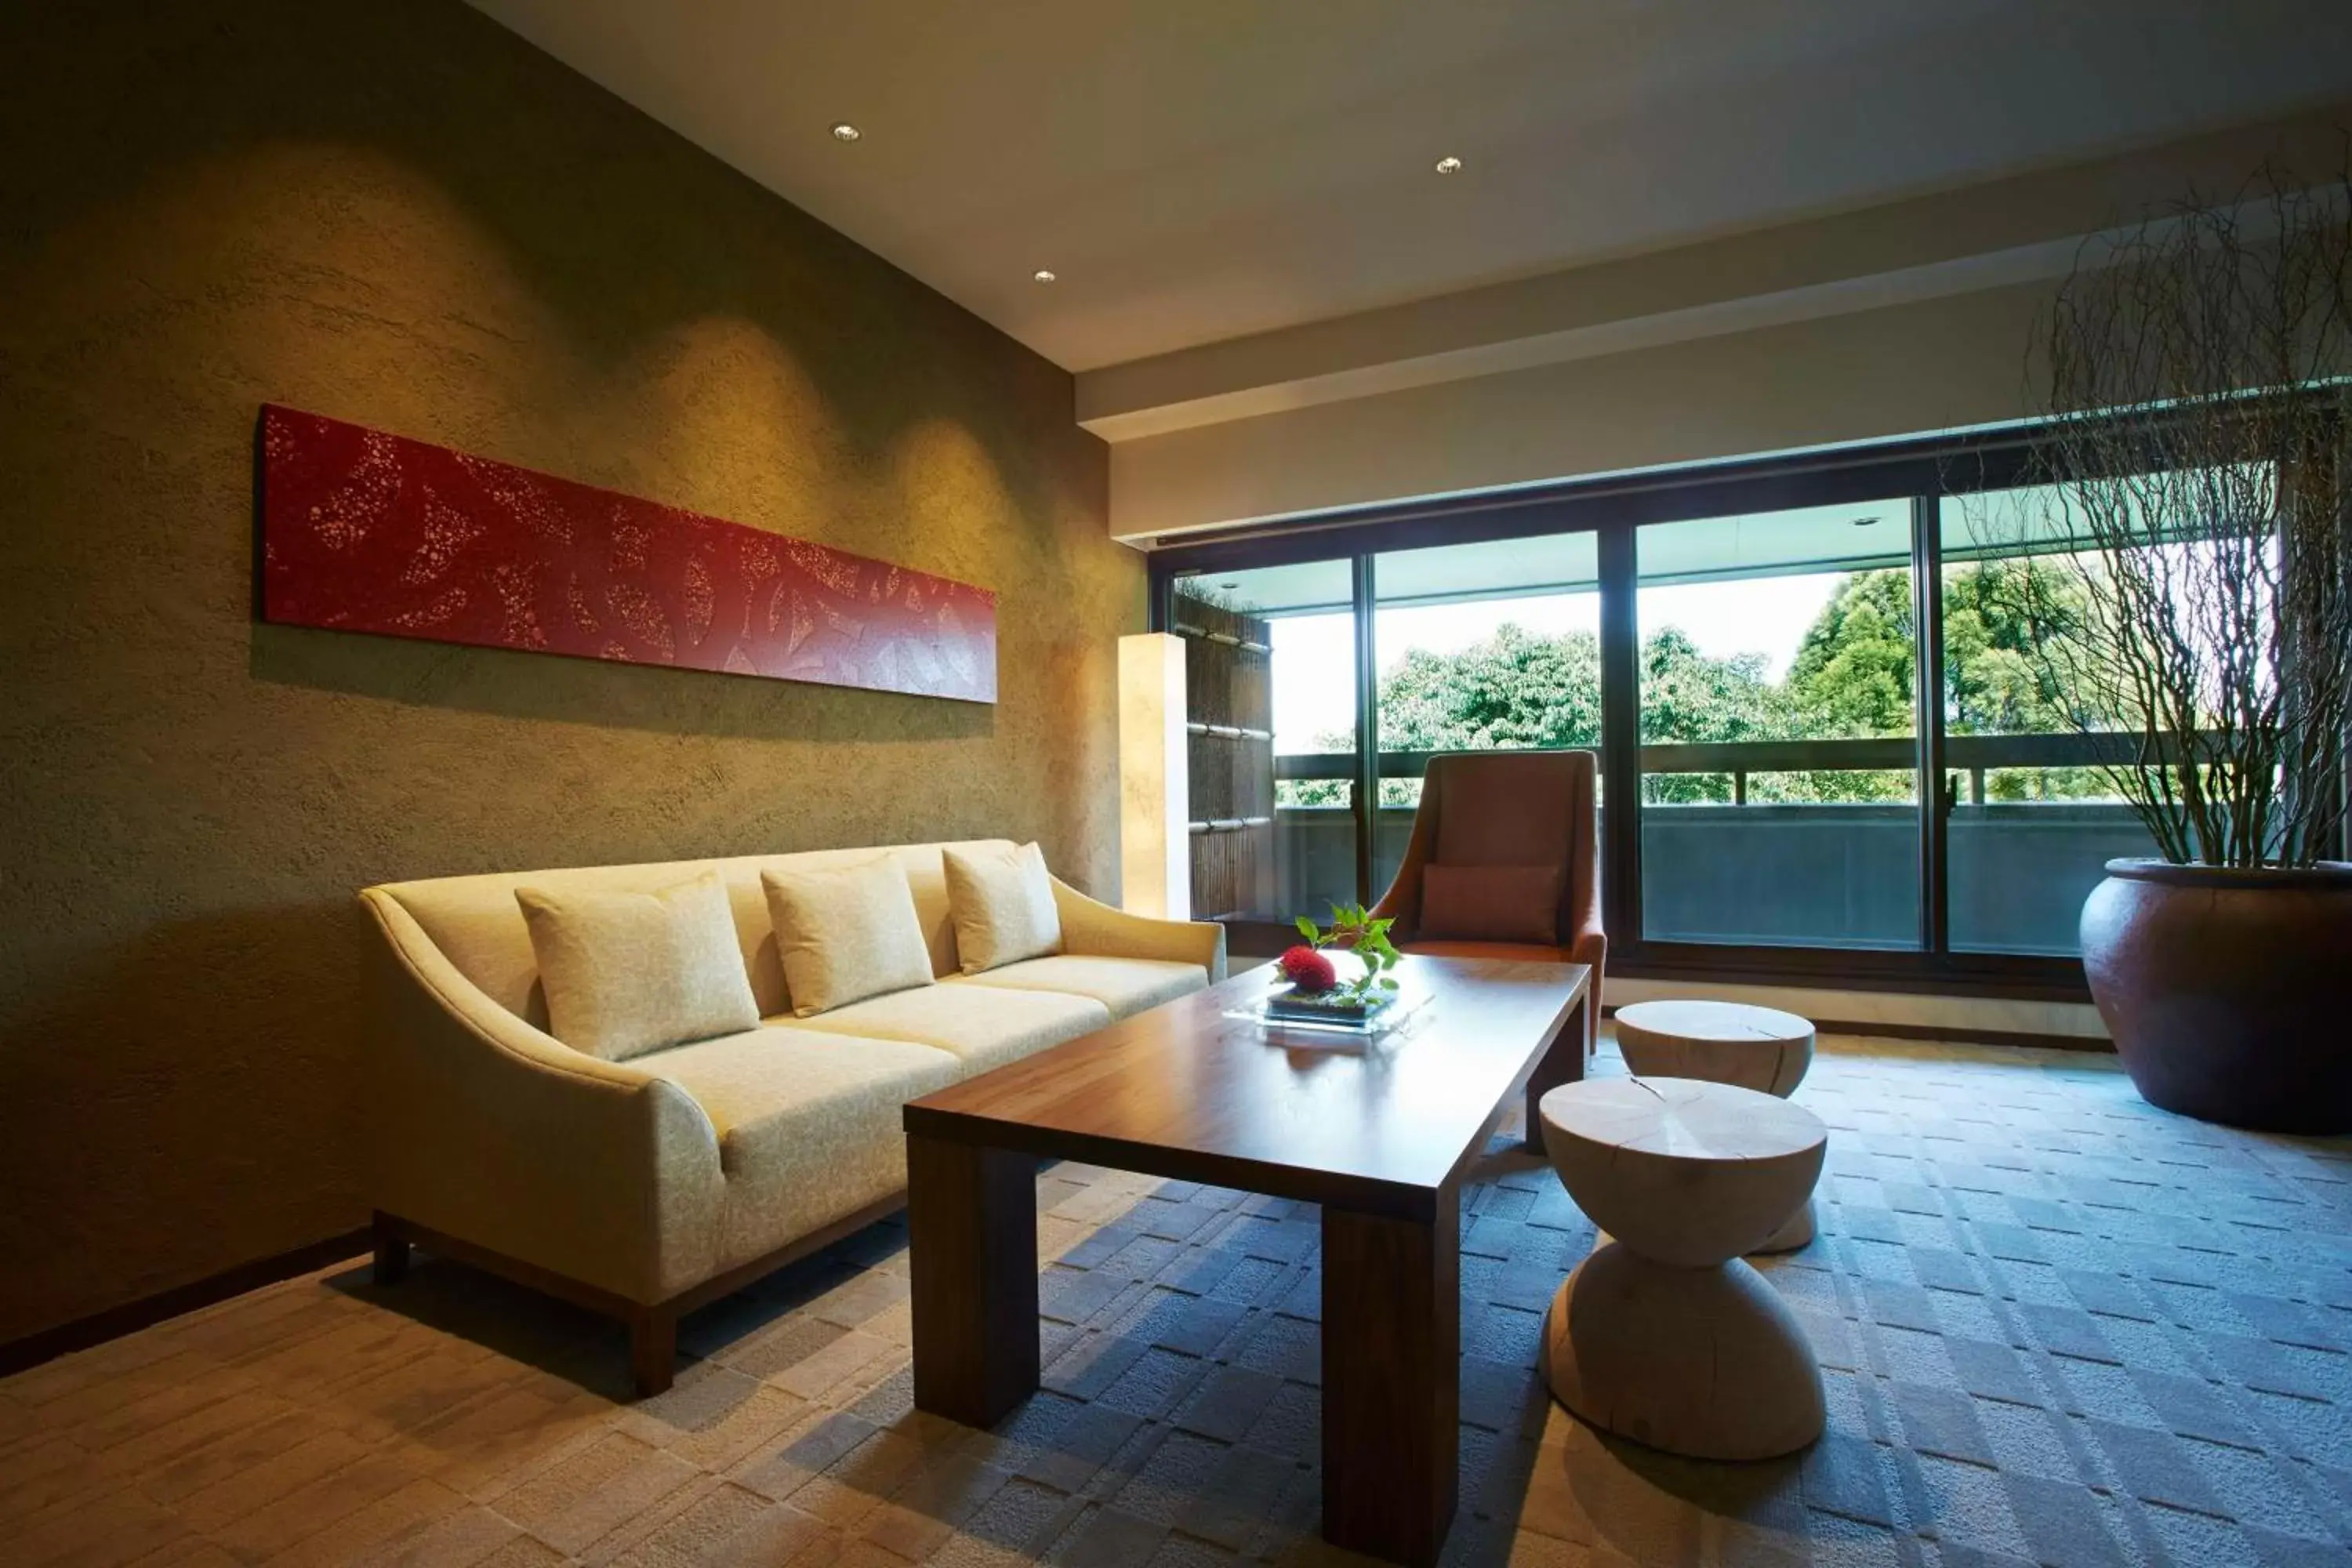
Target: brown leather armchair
[{"x": 1508, "y": 808}]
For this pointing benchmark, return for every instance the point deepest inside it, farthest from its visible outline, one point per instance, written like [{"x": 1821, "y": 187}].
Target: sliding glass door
[
  {"x": 1777, "y": 698},
  {"x": 2032, "y": 820},
  {"x": 1472, "y": 646},
  {"x": 1833, "y": 750},
  {"x": 1480, "y": 647}
]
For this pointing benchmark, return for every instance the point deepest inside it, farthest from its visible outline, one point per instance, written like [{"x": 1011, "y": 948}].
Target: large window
[
  {"x": 2031, "y": 823},
  {"x": 1746, "y": 649},
  {"x": 1486, "y": 646},
  {"x": 1778, "y": 775}
]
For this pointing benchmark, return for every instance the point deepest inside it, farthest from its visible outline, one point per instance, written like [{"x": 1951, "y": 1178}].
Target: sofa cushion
[
  {"x": 846, "y": 933},
  {"x": 808, "y": 1124},
  {"x": 1003, "y": 902},
  {"x": 476, "y": 924},
  {"x": 984, "y": 1026},
  {"x": 627, "y": 972},
  {"x": 1125, "y": 985}
]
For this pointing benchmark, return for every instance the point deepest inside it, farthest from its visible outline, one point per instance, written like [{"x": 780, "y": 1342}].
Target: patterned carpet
[{"x": 2056, "y": 1326}]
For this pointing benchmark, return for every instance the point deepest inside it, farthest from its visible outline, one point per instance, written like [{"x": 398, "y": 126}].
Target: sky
[{"x": 1312, "y": 654}]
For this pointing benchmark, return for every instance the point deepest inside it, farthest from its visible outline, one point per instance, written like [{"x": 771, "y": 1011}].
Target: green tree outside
[{"x": 1850, "y": 679}]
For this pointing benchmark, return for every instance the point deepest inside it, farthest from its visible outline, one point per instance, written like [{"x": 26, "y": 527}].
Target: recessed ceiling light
[
  {"x": 846, "y": 132},
  {"x": 1043, "y": 276},
  {"x": 1449, "y": 166}
]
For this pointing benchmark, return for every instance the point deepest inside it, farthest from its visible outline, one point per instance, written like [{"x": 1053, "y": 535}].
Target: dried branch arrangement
[{"x": 2199, "y": 596}]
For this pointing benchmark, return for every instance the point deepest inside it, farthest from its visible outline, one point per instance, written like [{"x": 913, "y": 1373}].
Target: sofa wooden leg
[
  {"x": 390, "y": 1252},
  {"x": 653, "y": 1349}
]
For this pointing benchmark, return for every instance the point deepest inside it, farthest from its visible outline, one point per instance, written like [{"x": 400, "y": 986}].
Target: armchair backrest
[{"x": 1505, "y": 809}]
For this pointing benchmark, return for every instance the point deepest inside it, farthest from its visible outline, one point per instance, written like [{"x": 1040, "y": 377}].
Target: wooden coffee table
[{"x": 1379, "y": 1136}]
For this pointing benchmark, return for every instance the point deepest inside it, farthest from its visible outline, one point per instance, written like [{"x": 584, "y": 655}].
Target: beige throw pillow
[
  {"x": 631, "y": 972},
  {"x": 846, "y": 932},
  {"x": 1003, "y": 902}
]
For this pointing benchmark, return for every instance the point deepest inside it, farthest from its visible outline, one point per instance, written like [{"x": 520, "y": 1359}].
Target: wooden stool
[
  {"x": 1761, "y": 1048},
  {"x": 1665, "y": 1334}
]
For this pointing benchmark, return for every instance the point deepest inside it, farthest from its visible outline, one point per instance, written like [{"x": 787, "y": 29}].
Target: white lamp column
[{"x": 1155, "y": 805}]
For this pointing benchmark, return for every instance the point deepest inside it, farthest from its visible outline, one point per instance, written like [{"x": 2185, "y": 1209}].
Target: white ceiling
[{"x": 1196, "y": 170}]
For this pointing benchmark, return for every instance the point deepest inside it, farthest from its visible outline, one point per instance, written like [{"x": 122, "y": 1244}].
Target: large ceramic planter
[{"x": 2229, "y": 993}]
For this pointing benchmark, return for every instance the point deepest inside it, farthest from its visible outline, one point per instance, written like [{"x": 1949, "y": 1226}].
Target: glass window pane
[
  {"x": 1486, "y": 646},
  {"x": 1269, "y": 669},
  {"x": 1779, "y": 798},
  {"x": 2032, "y": 824}
]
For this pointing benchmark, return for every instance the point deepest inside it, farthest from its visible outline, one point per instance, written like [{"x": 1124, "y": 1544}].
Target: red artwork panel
[{"x": 366, "y": 531}]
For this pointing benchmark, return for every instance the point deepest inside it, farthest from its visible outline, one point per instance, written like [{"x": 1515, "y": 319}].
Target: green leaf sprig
[{"x": 1354, "y": 929}]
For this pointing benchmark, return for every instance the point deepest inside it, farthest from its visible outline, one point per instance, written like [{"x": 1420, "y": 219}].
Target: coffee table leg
[
  {"x": 972, "y": 1222},
  {"x": 1391, "y": 1380},
  {"x": 1563, "y": 1062}
]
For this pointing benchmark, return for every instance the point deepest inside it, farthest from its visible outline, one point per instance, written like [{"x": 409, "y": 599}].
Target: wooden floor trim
[
  {"x": 113, "y": 1323},
  {"x": 1962, "y": 1033},
  {"x": 1967, "y": 1035}
]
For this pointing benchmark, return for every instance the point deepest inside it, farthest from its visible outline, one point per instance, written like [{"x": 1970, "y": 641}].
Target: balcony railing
[
  {"x": 1975, "y": 755},
  {"x": 1837, "y": 874}
]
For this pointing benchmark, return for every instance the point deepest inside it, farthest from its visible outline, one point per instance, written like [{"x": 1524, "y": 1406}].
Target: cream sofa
[{"x": 645, "y": 1187}]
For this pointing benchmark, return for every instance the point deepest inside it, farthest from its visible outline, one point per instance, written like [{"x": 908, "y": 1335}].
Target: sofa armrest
[
  {"x": 495, "y": 1132},
  {"x": 1091, "y": 926}
]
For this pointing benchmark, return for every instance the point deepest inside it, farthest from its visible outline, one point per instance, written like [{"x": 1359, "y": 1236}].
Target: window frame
[{"x": 1925, "y": 471}]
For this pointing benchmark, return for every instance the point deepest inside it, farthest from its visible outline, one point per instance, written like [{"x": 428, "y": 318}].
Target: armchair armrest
[
  {"x": 1090, "y": 926},
  {"x": 1588, "y": 945},
  {"x": 496, "y": 1133}
]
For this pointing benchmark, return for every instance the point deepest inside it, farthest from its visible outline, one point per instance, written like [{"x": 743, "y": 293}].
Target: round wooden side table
[
  {"x": 1665, "y": 1334},
  {"x": 1761, "y": 1048}
]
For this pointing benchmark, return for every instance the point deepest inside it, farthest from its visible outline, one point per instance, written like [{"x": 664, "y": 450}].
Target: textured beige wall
[{"x": 403, "y": 215}]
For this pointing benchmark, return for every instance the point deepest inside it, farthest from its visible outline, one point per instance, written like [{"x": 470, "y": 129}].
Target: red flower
[{"x": 1310, "y": 970}]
